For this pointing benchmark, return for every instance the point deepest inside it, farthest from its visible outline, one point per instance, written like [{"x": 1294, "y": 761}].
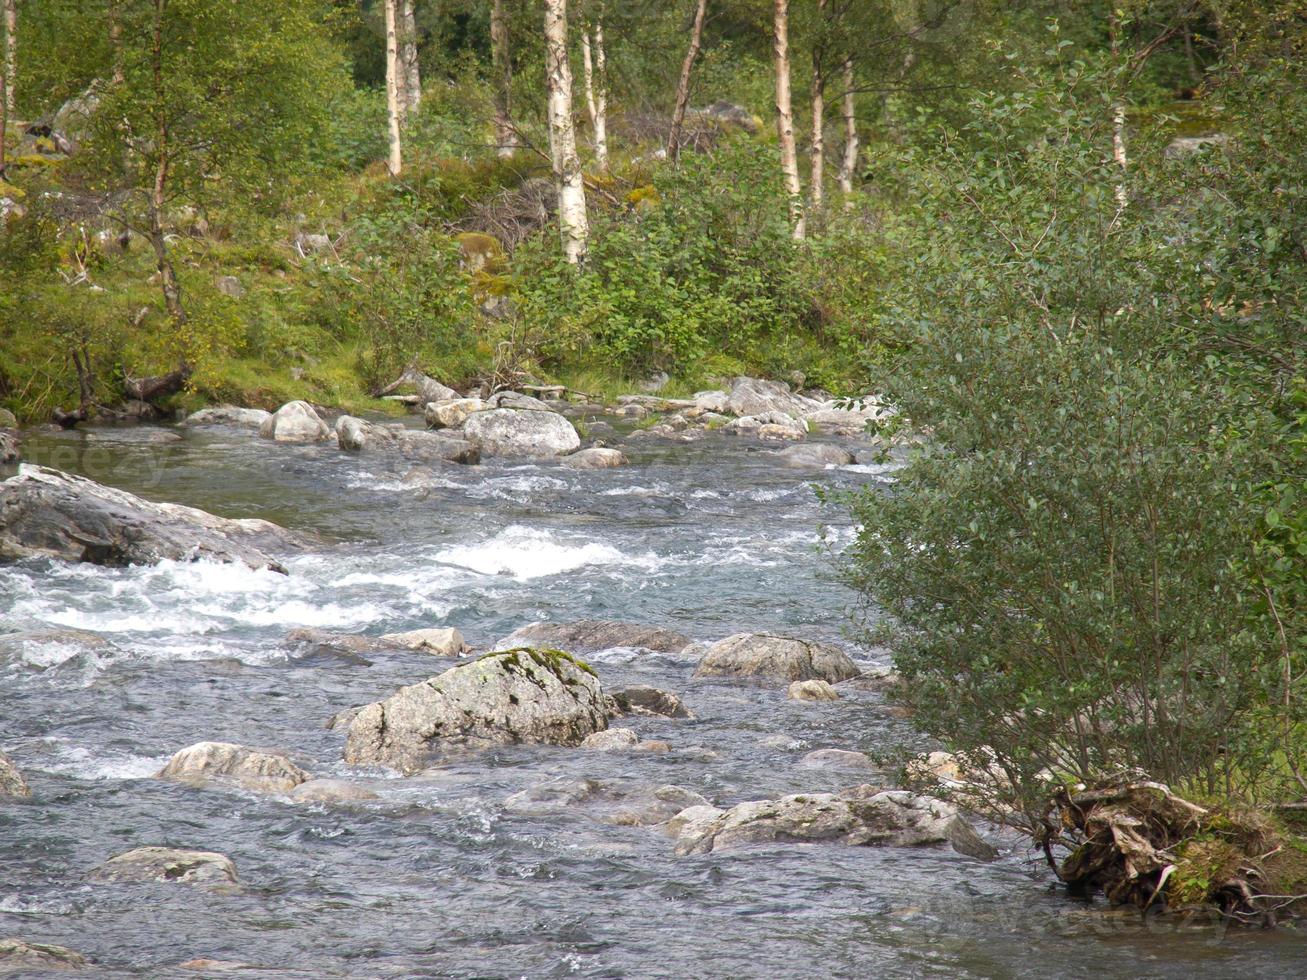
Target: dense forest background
[{"x": 1067, "y": 240}]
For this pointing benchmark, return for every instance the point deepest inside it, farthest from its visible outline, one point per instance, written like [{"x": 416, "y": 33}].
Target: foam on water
[
  {"x": 525, "y": 553},
  {"x": 80, "y": 762}
]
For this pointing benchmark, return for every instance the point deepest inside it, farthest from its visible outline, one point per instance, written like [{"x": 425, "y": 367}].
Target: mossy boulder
[
  {"x": 523, "y": 695},
  {"x": 480, "y": 252}
]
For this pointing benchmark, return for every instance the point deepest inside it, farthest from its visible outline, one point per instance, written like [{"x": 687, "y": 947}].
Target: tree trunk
[
  {"x": 11, "y": 54},
  {"x": 815, "y": 189},
  {"x": 849, "y": 165},
  {"x": 409, "y": 59},
  {"x": 683, "y": 85},
  {"x": 505, "y": 135},
  {"x": 785, "y": 117},
  {"x": 595, "y": 91},
  {"x": 158, "y": 196},
  {"x": 4, "y": 120},
  {"x": 394, "y": 89},
  {"x": 562, "y": 134},
  {"x": 1118, "y": 119},
  {"x": 116, "y": 41}
]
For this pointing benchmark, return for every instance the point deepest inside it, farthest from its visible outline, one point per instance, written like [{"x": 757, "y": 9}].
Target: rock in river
[
  {"x": 245, "y": 418},
  {"x": 782, "y": 658},
  {"x": 595, "y": 459},
  {"x": 893, "y": 818},
  {"x": 592, "y": 635},
  {"x": 812, "y": 690},
  {"x": 517, "y": 432},
  {"x": 644, "y": 700},
  {"x": 34, "y": 959},
  {"x": 168, "y": 864},
  {"x": 815, "y": 454},
  {"x": 295, "y": 422},
  {"x": 524, "y": 695},
  {"x": 223, "y": 762},
  {"x": 442, "y": 642},
  {"x": 12, "y": 782},
  {"x": 45, "y": 513}
]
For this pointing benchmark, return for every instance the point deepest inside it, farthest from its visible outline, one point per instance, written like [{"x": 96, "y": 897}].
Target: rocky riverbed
[{"x": 255, "y": 764}]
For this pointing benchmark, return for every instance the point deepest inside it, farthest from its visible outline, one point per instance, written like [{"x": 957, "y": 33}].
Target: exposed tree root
[{"x": 1142, "y": 845}]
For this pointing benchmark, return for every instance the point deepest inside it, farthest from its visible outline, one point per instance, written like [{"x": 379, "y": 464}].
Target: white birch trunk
[
  {"x": 849, "y": 165},
  {"x": 394, "y": 83},
  {"x": 785, "y": 117},
  {"x": 11, "y": 53},
  {"x": 568, "y": 177},
  {"x": 409, "y": 59},
  {"x": 596, "y": 92},
  {"x": 505, "y": 134}
]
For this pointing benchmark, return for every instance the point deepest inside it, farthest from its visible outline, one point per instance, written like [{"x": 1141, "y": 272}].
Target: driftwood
[
  {"x": 157, "y": 386},
  {"x": 1142, "y": 845}
]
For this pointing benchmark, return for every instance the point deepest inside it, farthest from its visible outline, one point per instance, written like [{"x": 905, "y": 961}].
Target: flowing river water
[{"x": 441, "y": 877}]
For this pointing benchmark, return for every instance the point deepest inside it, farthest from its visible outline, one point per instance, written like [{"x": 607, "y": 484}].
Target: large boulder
[
  {"x": 592, "y": 635},
  {"x": 236, "y": 765},
  {"x": 781, "y": 658},
  {"x": 245, "y": 418},
  {"x": 34, "y": 959},
  {"x": 515, "y": 432},
  {"x": 10, "y": 451},
  {"x": 12, "y": 782},
  {"x": 295, "y": 422},
  {"x": 523, "y": 695},
  {"x": 168, "y": 864},
  {"x": 46, "y": 513},
  {"x": 423, "y": 445},
  {"x": 355, "y": 434},
  {"x": 892, "y": 818},
  {"x": 452, "y": 412},
  {"x": 754, "y": 396}
]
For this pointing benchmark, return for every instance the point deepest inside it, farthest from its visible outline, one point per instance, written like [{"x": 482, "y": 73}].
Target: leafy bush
[{"x": 1056, "y": 559}]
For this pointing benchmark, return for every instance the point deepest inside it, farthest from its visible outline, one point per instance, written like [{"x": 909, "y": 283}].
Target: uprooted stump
[{"x": 1142, "y": 845}]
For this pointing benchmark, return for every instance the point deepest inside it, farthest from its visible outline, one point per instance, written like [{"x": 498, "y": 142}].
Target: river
[{"x": 439, "y": 877}]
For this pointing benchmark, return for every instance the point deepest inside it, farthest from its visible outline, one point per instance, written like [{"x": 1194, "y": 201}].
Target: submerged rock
[
  {"x": 19, "y": 956},
  {"x": 591, "y": 635},
  {"x": 812, "y": 690},
  {"x": 837, "y": 759},
  {"x": 295, "y": 422},
  {"x": 168, "y": 864},
  {"x": 45, "y": 513},
  {"x": 12, "y": 783},
  {"x": 819, "y": 454},
  {"x": 245, "y": 418},
  {"x": 595, "y": 459},
  {"x": 223, "y": 762},
  {"x": 645, "y": 700},
  {"x": 523, "y": 695},
  {"x": 331, "y": 791},
  {"x": 892, "y": 818},
  {"x": 773, "y": 657},
  {"x": 516, "y": 432},
  {"x": 611, "y": 740},
  {"x": 441, "y": 642}
]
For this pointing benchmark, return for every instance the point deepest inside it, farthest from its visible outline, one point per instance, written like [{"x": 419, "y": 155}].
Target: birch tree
[
  {"x": 412, "y": 76},
  {"x": 849, "y": 162},
  {"x": 11, "y": 53},
  {"x": 506, "y": 142},
  {"x": 785, "y": 116},
  {"x": 596, "y": 87},
  {"x": 683, "y": 84},
  {"x": 568, "y": 177},
  {"x": 819, "y": 46},
  {"x": 394, "y": 89}
]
